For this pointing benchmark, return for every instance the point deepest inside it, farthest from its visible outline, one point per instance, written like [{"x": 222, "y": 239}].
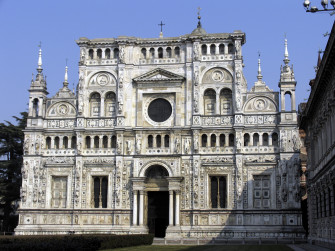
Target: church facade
[{"x": 163, "y": 136}]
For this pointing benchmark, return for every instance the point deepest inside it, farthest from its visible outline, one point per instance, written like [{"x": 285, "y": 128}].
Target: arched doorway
[{"x": 158, "y": 200}]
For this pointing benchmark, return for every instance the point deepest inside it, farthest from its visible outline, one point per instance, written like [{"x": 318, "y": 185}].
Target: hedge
[{"x": 72, "y": 242}]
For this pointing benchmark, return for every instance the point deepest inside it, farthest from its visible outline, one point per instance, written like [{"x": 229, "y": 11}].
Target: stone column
[
  {"x": 171, "y": 208},
  {"x": 270, "y": 139},
  {"x": 293, "y": 101},
  {"x": 92, "y": 142},
  {"x": 141, "y": 211},
  {"x": 177, "y": 207},
  {"x": 69, "y": 142},
  {"x": 61, "y": 146},
  {"x": 217, "y": 105},
  {"x": 100, "y": 141},
  {"x": 217, "y": 52},
  {"x": 135, "y": 207},
  {"x": 102, "y": 107},
  {"x": 226, "y": 137},
  {"x": 109, "y": 144},
  {"x": 260, "y": 139},
  {"x": 208, "y": 49},
  {"x": 282, "y": 100},
  {"x": 103, "y": 56},
  {"x": 52, "y": 142},
  {"x": 225, "y": 49}
]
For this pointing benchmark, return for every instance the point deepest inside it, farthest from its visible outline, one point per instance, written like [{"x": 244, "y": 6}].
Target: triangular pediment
[{"x": 159, "y": 75}]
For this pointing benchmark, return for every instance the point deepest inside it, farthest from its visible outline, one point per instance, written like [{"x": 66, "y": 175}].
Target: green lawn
[{"x": 206, "y": 248}]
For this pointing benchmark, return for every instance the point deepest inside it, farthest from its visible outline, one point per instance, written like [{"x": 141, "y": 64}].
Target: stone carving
[
  {"x": 138, "y": 145},
  {"x": 60, "y": 160},
  {"x": 217, "y": 160},
  {"x": 122, "y": 54},
  {"x": 119, "y": 146},
  {"x": 196, "y": 77},
  {"x": 196, "y": 143},
  {"x": 222, "y": 120},
  {"x": 187, "y": 145},
  {"x": 128, "y": 146},
  {"x": 93, "y": 123},
  {"x": 260, "y": 119},
  {"x": 196, "y": 53},
  {"x": 177, "y": 145},
  {"x": 99, "y": 161},
  {"x": 61, "y": 123},
  {"x": 26, "y": 145},
  {"x": 261, "y": 158}
]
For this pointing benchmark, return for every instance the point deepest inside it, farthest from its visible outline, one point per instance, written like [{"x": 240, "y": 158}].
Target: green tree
[{"x": 11, "y": 155}]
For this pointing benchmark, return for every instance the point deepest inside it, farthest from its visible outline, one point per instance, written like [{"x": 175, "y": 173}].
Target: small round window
[{"x": 159, "y": 110}]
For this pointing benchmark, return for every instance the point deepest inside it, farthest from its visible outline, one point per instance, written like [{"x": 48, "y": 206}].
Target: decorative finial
[
  {"x": 286, "y": 59},
  {"x": 259, "y": 76},
  {"x": 161, "y": 33},
  {"x": 39, "y": 64},
  {"x": 66, "y": 76},
  {"x": 199, "y": 18}
]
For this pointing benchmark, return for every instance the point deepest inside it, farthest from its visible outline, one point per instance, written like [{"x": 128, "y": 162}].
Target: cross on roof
[{"x": 161, "y": 25}]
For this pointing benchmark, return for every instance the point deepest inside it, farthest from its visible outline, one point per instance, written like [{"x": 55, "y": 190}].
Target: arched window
[
  {"x": 152, "y": 53},
  {"x": 222, "y": 140},
  {"x": 113, "y": 141},
  {"x": 177, "y": 51},
  {"x": 204, "y": 49},
  {"x": 156, "y": 172},
  {"x": 274, "y": 139},
  {"x": 65, "y": 142},
  {"x": 96, "y": 142},
  {"x": 213, "y": 140},
  {"x": 48, "y": 143},
  {"x": 107, "y": 53},
  {"x": 160, "y": 52},
  {"x": 57, "y": 142},
  {"x": 95, "y": 104},
  {"x": 226, "y": 103},
  {"x": 212, "y": 48},
  {"x": 158, "y": 141},
  {"x": 167, "y": 141},
  {"x": 231, "y": 49},
  {"x": 256, "y": 139},
  {"x": 288, "y": 102},
  {"x": 105, "y": 142},
  {"x": 35, "y": 108},
  {"x": 231, "y": 139},
  {"x": 169, "y": 52},
  {"x": 110, "y": 104},
  {"x": 144, "y": 52},
  {"x": 99, "y": 53},
  {"x": 88, "y": 142},
  {"x": 209, "y": 102},
  {"x": 265, "y": 139},
  {"x": 91, "y": 54},
  {"x": 221, "y": 49},
  {"x": 204, "y": 140},
  {"x": 246, "y": 139},
  {"x": 74, "y": 142},
  {"x": 150, "y": 141},
  {"x": 116, "y": 53}
]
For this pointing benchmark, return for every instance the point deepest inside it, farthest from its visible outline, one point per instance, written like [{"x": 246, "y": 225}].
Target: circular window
[{"x": 159, "y": 110}]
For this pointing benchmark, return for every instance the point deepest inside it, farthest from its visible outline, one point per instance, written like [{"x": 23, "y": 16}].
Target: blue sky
[{"x": 57, "y": 24}]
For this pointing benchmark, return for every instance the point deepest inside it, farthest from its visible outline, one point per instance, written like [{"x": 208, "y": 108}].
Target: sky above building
[{"x": 57, "y": 24}]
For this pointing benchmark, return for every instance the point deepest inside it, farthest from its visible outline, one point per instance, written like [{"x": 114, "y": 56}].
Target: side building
[
  {"x": 317, "y": 119},
  {"x": 162, "y": 136}
]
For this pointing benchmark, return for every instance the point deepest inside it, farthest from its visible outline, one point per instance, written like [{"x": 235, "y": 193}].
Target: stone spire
[
  {"x": 199, "y": 31},
  {"x": 286, "y": 72},
  {"x": 39, "y": 63},
  {"x": 259, "y": 86},
  {"x": 66, "y": 83},
  {"x": 259, "y": 76},
  {"x": 39, "y": 81},
  {"x": 65, "y": 92}
]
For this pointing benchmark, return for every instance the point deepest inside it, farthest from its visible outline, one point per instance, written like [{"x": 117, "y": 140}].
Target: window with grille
[
  {"x": 59, "y": 192},
  {"x": 100, "y": 188},
  {"x": 218, "y": 192},
  {"x": 261, "y": 191}
]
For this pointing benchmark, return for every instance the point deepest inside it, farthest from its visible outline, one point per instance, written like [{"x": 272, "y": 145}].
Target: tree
[{"x": 11, "y": 154}]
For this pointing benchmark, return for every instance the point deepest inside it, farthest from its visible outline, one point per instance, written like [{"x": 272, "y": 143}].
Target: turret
[
  {"x": 38, "y": 93},
  {"x": 287, "y": 85}
]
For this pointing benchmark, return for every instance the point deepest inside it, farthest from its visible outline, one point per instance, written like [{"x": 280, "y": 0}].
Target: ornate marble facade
[{"x": 170, "y": 116}]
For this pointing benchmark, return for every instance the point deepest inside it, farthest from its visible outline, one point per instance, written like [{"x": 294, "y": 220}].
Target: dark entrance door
[{"x": 158, "y": 213}]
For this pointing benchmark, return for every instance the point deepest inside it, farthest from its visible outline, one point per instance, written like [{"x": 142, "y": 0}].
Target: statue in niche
[
  {"x": 121, "y": 54},
  {"x": 196, "y": 144},
  {"x": 187, "y": 146},
  {"x": 26, "y": 145},
  {"x": 196, "y": 109},
  {"x": 119, "y": 146},
  {"x": 195, "y": 51},
  {"x": 82, "y": 55},
  {"x": 196, "y": 78},
  {"x": 128, "y": 146},
  {"x": 138, "y": 145},
  {"x": 177, "y": 145}
]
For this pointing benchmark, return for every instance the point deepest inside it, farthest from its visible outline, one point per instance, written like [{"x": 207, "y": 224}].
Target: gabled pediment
[{"x": 159, "y": 75}]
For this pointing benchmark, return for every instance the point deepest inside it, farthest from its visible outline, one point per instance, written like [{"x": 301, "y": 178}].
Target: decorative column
[
  {"x": 226, "y": 137},
  {"x": 135, "y": 192},
  {"x": 102, "y": 107},
  {"x": 270, "y": 139},
  {"x": 92, "y": 142},
  {"x": 141, "y": 208},
  {"x": 260, "y": 139},
  {"x": 61, "y": 146},
  {"x": 52, "y": 142},
  {"x": 251, "y": 139},
  {"x": 171, "y": 208},
  {"x": 177, "y": 207}
]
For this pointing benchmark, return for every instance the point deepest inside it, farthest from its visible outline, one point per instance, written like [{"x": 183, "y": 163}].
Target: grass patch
[{"x": 206, "y": 248}]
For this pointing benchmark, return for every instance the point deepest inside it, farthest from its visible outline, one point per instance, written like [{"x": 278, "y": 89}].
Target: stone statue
[
  {"x": 187, "y": 146},
  {"x": 128, "y": 146},
  {"x": 196, "y": 78},
  {"x": 195, "y": 51},
  {"x": 138, "y": 145},
  {"x": 177, "y": 145},
  {"x": 119, "y": 146},
  {"x": 121, "y": 54}
]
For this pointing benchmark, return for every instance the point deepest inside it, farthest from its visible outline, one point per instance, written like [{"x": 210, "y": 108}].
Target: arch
[
  {"x": 177, "y": 51},
  {"x": 99, "y": 53},
  {"x": 260, "y": 103},
  {"x": 116, "y": 53},
  {"x": 246, "y": 139},
  {"x": 105, "y": 142},
  {"x": 160, "y": 52},
  {"x": 88, "y": 142},
  {"x": 265, "y": 139},
  {"x": 231, "y": 49},
  {"x": 95, "y": 102},
  {"x": 35, "y": 107},
  {"x": 212, "y": 49},
  {"x": 143, "y": 170},
  {"x": 96, "y": 142},
  {"x": 152, "y": 53},
  {"x": 169, "y": 52},
  {"x": 221, "y": 49},
  {"x": 166, "y": 141},
  {"x": 156, "y": 172},
  {"x": 222, "y": 140},
  {"x": 213, "y": 140},
  {"x": 226, "y": 101},
  {"x": 110, "y": 104},
  {"x": 288, "y": 101},
  {"x": 48, "y": 143},
  {"x": 57, "y": 142},
  {"x": 226, "y": 75},
  {"x": 275, "y": 139},
  {"x": 209, "y": 101},
  {"x": 108, "y": 53},
  {"x": 150, "y": 141},
  {"x": 204, "y": 49},
  {"x": 61, "y": 108},
  {"x": 113, "y": 142},
  {"x": 231, "y": 139},
  {"x": 204, "y": 140},
  {"x": 158, "y": 141},
  {"x": 256, "y": 139},
  {"x": 144, "y": 53},
  {"x": 65, "y": 142},
  {"x": 74, "y": 142},
  {"x": 91, "y": 54}
]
